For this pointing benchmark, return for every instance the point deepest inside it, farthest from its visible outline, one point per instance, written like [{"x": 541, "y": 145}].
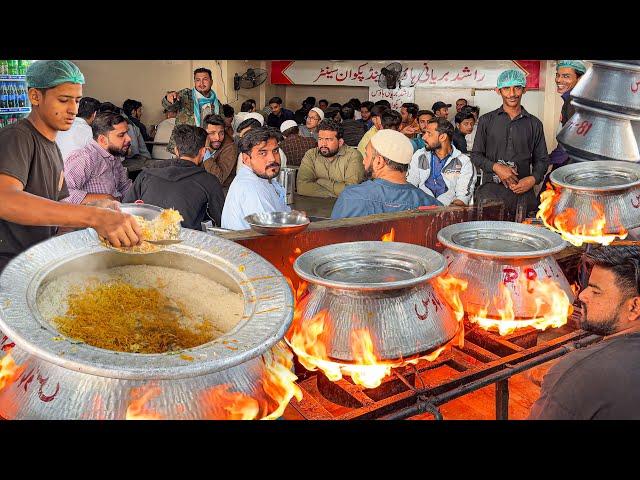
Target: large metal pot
[
  {"x": 598, "y": 134},
  {"x": 492, "y": 253},
  {"x": 610, "y": 85},
  {"x": 66, "y": 379},
  {"x": 383, "y": 287},
  {"x": 613, "y": 184}
]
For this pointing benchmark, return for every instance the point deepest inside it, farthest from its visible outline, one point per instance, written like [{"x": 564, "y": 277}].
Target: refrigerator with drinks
[{"x": 14, "y": 102}]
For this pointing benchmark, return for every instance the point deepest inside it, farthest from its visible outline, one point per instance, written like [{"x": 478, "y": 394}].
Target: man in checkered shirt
[{"x": 95, "y": 171}]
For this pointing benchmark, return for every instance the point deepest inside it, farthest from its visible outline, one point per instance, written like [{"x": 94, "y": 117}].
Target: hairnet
[
  {"x": 511, "y": 77},
  {"x": 577, "y": 65},
  {"x": 49, "y": 73}
]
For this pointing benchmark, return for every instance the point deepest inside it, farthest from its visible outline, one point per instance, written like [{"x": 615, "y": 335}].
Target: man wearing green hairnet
[
  {"x": 31, "y": 169},
  {"x": 568, "y": 73},
  {"x": 511, "y": 150}
]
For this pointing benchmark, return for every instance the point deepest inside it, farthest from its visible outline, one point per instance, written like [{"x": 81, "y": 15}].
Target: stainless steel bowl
[
  {"x": 278, "y": 223},
  {"x": 381, "y": 286},
  {"x": 492, "y": 253},
  {"x": 598, "y": 134},
  {"x": 613, "y": 184},
  {"x": 611, "y": 85},
  {"x": 146, "y": 211}
]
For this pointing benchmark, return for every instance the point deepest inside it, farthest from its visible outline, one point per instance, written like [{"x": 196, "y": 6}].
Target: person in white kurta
[
  {"x": 80, "y": 132},
  {"x": 255, "y": 189}
]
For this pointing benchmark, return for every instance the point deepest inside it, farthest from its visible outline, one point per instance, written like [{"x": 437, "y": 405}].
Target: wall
[{"x": 295, "y": 94}]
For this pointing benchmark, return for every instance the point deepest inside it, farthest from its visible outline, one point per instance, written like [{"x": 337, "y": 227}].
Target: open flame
[
  {"x": 9, "y": 371},
  {"x": 137, "y": 409},
  {"x": 278, "y": 387},
  {"x": 389, "y": 237},
  {"x": 553, "y": 307},
  {"x": 564, "y": 223}
]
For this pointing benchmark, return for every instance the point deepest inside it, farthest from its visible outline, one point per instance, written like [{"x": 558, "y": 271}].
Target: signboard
[
  {"x": 396, "y": 96},
  {"x": 418, "y": 74}
]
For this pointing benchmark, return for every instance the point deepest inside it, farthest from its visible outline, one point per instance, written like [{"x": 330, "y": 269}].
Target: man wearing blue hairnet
[
  {"x": 31, "y": 169},
  {"x": 568, "y": 74},
  {"x": 511, "y": 150}
]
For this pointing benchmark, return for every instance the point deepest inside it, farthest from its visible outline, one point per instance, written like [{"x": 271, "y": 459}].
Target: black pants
[{"x": 498, "y": 192}]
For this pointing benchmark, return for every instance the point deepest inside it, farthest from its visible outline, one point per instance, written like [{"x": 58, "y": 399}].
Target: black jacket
[{"x": 183, "y": 186}]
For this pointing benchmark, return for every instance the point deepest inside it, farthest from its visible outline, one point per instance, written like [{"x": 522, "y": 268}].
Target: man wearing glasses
[{"x": 310, "y": 128}]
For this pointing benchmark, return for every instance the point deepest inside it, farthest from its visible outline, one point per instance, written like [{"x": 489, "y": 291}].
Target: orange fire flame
[
  {"x": 137, "y": 409},
  {"x": 278, "y": 387},
  {"x": 9, "y": 371},
  {"x": 564, "y": 222},
  {"x": 553, "y": 307},
  {"x": 389, "y": 237}
]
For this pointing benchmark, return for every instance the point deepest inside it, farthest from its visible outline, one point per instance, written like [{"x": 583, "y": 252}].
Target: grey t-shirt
[
  {"x": 598, "y": 382},
  {"x": 36, "y": 161}
]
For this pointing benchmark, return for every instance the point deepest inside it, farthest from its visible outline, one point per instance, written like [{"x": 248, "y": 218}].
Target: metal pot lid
[
  {"x": 501, "y": 239},
  {"x": 597, "y": 176},
  {"x": 633, "y": 65},
  {"x": 604, "y": 113},
  {"x": 267, "y": 313},
  {"x": 372, "y": 265}
]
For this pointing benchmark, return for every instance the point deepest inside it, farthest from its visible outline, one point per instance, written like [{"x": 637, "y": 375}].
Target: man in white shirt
[
  {"x": 255, "y": 188},
  {"x": 80, "y": 132},
  {"x": 163, "y": 134}
]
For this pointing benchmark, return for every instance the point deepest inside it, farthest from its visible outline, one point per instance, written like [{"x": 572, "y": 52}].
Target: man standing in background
[
  {"x": 510, "y": 149},
  {"x": 80, "y": 132},
  {"x": 192, "y": 104}
]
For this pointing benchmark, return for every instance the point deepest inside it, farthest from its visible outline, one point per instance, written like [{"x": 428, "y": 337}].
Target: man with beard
[
  {"x": 182, "y": 183},
  {"x": 601, "y": 381},
  {"x": 193, "y": 104},
  {"x": 95, "y": 171},
  {"x": 221, "y": 153},
  {"x": 31, "y": 169},
  {"x": 255, "y": 188},
  {"x": 327, "y": 170},
  {"x": 440, "y": 169},
  {"x": 386, "y": 189},
  {"x": 510, "y": 149}
]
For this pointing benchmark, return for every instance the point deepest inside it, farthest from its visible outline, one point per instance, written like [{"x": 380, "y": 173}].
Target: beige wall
[{"x": 149, "y": 80}]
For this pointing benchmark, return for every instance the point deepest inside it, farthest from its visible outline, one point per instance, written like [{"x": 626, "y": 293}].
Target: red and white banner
[{"x": 422, "y": 74}]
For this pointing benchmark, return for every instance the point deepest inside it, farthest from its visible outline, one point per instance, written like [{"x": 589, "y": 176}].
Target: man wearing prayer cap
[
  {"x": 31, "y": 169},
  {"x": 310, "y": 127},
  {"x": 568, "y": 73},
  {"x": 386, "y": 189},
  {"x": 511, "y": 150}
]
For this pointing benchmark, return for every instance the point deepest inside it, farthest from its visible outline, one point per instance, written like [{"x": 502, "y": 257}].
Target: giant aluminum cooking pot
[
  {"x": 598, "y": 134},
  {"x": 383, "y": 287},
  {"x": 65, "y": 379},
  {"x": 613, "y": 184},
  {"x": 490, "y": 253},
  {"x": 611, "y": 85}
]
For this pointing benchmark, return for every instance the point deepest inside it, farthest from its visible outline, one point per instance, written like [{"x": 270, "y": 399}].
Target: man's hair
[
  {"x": 462, "y": 115},
  {"x": 328, "y": 124},
  {"x": 471, "y": 108},
  {"x": 202, "y": 70},
  {"x": 228, "y": 110},
  {"x": 384, "y": 102},
  {"x": 130, "y": 105},
  {"x": 256, "y": 136},
  {"x": 391, "y": 119},
  {"x": 442, "y": 126},
  {"x": 335, "y": 105},
  {"x": 291, "y": 131},
  {"x": 623, "y": 261},
  {"x": 463, "y": 99},
  {"x": 253, "y": 102},
  {"x": 214, "y": 119},
  {"x": 87, "y": 107},
  {"x": 367, "y": 104},
  {"x": 323, "y": 100},
  {"x": 356, "y": 103},
  {"x": 277, "y": 100},
  {"x": 401, "y": 167},
  {"x": 189, "y": 139},
  {"x": 105, "y": 123},
  {"x": 109, "y": 107},
  {"x": 347, "y": 111},
  {"x": 249, "y": 122},
  {"x": 425, "y": 112},
  {"x": 412, "y": 109},
  {"x": 378, "y": 110},
  {"x": 309, "y": 101},
  {"x": 246, "y": 106}
]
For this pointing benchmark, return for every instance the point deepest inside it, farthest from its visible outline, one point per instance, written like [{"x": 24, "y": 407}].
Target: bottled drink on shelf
[
  {"x": 22, "y": 67},
  {"x": 12, "y": 67},
  {"x": 4, "y": 99},
  {"x": 4, "y": 67},
  {"x": 13, "y": 96}
]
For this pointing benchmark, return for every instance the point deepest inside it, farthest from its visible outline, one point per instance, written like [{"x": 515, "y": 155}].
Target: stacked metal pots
[
  {"x": 603, "y": 140},
  {"x": 67, "y": 379}
]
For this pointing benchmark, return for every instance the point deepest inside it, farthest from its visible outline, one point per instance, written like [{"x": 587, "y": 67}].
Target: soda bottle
[
  {"x": 22, "y": 67},
  {"x": 12, "y": 67},
  {"x": 4, "y": 67},
  {"x": 4, "y": 100},
  {"x": 22, "y": 96}
]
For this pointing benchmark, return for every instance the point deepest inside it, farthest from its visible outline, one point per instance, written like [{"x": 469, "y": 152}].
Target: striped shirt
[{"x": 91, "y": 169}]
